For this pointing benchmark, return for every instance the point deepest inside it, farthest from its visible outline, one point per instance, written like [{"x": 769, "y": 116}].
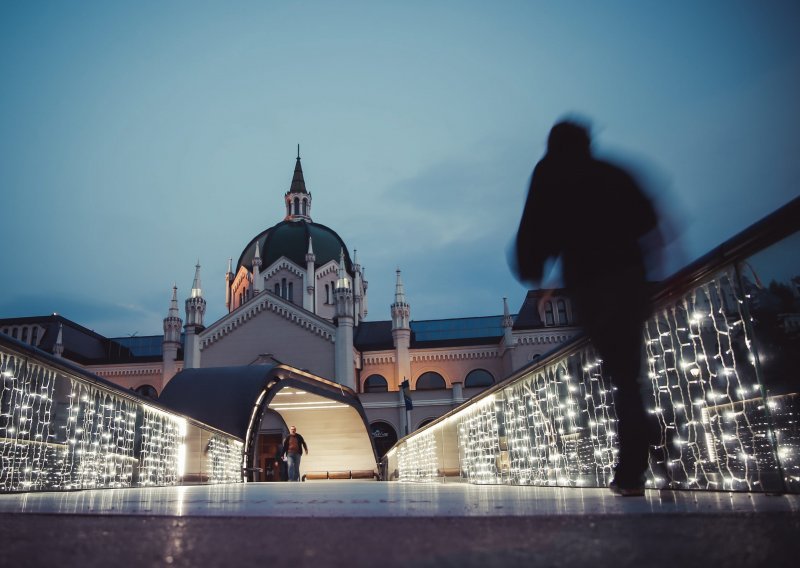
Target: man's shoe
[{"x": 627, "y": 490}]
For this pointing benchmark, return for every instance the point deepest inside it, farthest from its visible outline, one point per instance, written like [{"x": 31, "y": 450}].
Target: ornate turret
[
  {"x": 311, "y": 278},
  {"x": 195, "y": 309},
  {"x": 298, "y": 200},
  {"x": 58, "y": 348},
  {"x": 401, "y": 332},
  {"x": 228, "y": 283},
  {"x": 172, "y": 338},
  {"x": 257, "y": 271},
  {"x": 343, "y": 297}
]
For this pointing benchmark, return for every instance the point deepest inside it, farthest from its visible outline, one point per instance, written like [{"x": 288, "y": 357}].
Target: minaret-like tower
[
  {"x": 311, "y": 278},
  {"x": 58, "y": 348},
  {"x": 508, "y": 324},
  {"x": 358, "y": 295},
  {"x": 172, "y": 339},
  {"x": 195, "y": 309},
  {"x": 257, "y": 271},
  {"x": 401, "y": 331},
  {"x": 343, "y": 296},
  {"x": 298, "y": 200},
  {"x": 228, "y": 284}
]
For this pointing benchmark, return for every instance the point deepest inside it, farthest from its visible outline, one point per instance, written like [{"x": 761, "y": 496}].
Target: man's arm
[{"x": 303, "y": 443}]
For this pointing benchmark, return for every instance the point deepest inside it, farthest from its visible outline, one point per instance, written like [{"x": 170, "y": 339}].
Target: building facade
[{"x": 297, "y": 296}]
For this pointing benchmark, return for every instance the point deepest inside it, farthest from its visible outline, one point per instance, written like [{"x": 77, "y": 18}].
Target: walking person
[
  {"x": 594, "y": 216},
  {"x": 293, "y": 446}
]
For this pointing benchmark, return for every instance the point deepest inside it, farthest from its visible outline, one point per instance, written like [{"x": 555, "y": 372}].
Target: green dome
[{"x": 290, "y": 239}]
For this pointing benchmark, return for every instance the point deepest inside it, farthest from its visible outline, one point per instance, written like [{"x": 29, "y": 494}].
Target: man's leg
[{"x": 290, "y": 460}]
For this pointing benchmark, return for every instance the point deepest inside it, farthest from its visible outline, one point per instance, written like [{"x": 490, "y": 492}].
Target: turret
[
  {"x": 172, "y": 339},
  {"x": 58, "y": 348},
  {"x": 228, "y": 284},
  {"x": 508, "y": 324},
  {"x": 343, "y": 298},
  {"x": 195, "y": 309},
  {"x": 401, "y": 331},
  {"x": 358, "y": 296},
  {"x": 298, "y": 200},
  {"x": 311, "y": 278},
  {"x": 257, "y": 271}
]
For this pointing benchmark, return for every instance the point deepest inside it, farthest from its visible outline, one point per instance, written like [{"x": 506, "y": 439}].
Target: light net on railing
[
  {"x": 417, "y": 460},
  {"x": 224, "y": 460},
  {"x": 556, "y": 425}
]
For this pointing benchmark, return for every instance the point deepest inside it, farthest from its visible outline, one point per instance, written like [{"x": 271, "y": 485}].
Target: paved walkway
[{"x": 354, "y": 523}]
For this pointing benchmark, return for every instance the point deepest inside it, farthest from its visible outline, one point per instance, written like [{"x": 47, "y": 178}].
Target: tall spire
[
  {"x": 298, "y": 199},
  {"x": 197, "y": 291},
  {"x": 173, "y": 304},
  {"x": 401, "y": 311},
  {"x": 298, "y": 183},
  {"x": 257, "y": 270},
  {"x": 399, "y": 290}
]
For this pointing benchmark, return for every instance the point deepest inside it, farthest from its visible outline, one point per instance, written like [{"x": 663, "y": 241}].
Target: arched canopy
[{"x": 234, "y": 399}]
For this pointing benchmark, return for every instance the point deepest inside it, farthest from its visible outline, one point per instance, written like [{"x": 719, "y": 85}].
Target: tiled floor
[{"x": 375, "y": 499}]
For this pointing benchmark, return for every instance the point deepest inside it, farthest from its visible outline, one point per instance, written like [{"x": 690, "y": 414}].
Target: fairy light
[
  {"x": 556, "y": 425},
  {"x": 61, "y": 432}
]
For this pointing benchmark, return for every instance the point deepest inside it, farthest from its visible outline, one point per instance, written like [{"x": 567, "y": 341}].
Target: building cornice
[{"x": 454, "y": 354}]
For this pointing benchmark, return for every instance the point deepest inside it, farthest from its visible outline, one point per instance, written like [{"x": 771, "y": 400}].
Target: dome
[{"x": 290, "y": 239}]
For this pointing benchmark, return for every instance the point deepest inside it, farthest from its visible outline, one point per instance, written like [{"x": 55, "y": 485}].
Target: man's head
[
  {"x": 569, "y": 139},
  {"x": 292, "y": 430}
]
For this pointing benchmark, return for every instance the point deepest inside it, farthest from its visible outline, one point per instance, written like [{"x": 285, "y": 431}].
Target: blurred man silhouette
[{"x": 594, "y": 216}]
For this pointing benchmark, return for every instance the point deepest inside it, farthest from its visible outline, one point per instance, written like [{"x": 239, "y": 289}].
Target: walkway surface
[{"x": 354, "y": 523}]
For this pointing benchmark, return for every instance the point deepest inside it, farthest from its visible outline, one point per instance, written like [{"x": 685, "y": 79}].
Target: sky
[{"x": 139, "y": 137}]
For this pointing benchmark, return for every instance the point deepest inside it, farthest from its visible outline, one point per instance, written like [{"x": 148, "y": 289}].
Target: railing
[
  {"x": 722, "y": 359},
  {"x": 62, "y": 428}
]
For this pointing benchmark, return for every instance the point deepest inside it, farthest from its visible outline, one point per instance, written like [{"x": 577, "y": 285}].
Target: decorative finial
[{"x": 298, "y": 151}]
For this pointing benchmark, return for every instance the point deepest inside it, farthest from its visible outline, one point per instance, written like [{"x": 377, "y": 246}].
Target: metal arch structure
[{"x": 235, "y": 399}]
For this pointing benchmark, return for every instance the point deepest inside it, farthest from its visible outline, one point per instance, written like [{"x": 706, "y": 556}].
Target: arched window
[
  {"x": 291, "y": 292},
  {"x": 24, "y": 337},
  {"x": 147, "y": 391},
  {"x": 327, "y": 294},
  {"x": 296, "y": 206},
  {"x": 562, "y": 312},
  {"x": 384, "y": 435},
  {"x": 376, "y": 383},
  {"x": 305, "y": 207},
  {"x": 430, "y": 381},
  {"x": 548, "y": 313},
  {"x": 277, "y": 288},
  {"x": 283, "y": 287},
  {"x": 425, "y": 422},
  {"x": 478, "y": 378},
  {"x": 35, "y": 336}
]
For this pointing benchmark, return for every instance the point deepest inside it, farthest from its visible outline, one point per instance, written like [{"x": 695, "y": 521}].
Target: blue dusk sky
[{"x": 137, "y": 137}]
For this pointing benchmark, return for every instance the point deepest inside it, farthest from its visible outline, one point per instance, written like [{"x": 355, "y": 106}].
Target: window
[
  {"x": 147, "y": 391},
  {"x": 24, "y": 336},
  {"x": 425, "y": 422},
  {"x": 376, "y": 383},
  {"x": 327, "y": 294},
  {"x": 430, "y": 381},
  {"x": 296, "y": 206},
  {"x": 283, "y": 287},
  {"x": 14, "y": 332},
  {"x": 277, "y": 288},
  {"x": 548, "y": 313},
  {"x": 478, "y": 378},
  {"x": 291, "y": 291},
  {"x": 562, "y": 312},
  {"x": 305, "y": 206},
  {"x": 35, "y": 336}
]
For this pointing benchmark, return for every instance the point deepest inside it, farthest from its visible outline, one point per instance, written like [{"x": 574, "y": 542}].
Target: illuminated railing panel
[
  {"x": 60, "y": 430},
  {"x": 721, "y": 358}
]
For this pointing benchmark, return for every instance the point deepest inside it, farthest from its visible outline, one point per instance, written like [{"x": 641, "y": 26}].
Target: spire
[
  {"x": 257, "y": 256},
  {"x": 257, "y": 271},
  {"x": 343, "y": 281},
  {"x": 58, "y": 348},
  {"x": 173, "y": 304},
  {"x": 298, "y": 183},
  {"x": 230, "y": 266},
  {"x": 310, "y": 251},
  {"x": 197, "y": 291},
  {"x": 401, "y": 311},
  {"x": 399, "y": 290},
  {"x": 507, "y": 320}
]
